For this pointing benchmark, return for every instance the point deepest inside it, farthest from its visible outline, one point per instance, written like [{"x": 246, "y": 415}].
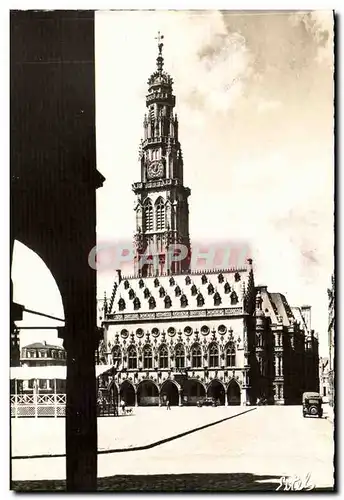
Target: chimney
[{"x": 119, "y": 275}]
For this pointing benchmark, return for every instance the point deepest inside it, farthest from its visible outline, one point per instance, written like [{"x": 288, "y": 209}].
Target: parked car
[
  {"x": 206, "y": 402},
  {"x": 312, "y": 404}
]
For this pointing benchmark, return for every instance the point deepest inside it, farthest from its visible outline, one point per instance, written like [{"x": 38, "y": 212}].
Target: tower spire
[
  {"x": 160, "y": 59},
  {"x": 162, "y": 217}
]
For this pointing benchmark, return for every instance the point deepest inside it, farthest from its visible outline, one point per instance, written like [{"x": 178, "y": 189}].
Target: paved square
[{"x": 250, "y": 451}]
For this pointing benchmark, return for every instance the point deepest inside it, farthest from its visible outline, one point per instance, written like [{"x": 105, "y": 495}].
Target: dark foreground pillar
[{"x": 81, "y": 412}]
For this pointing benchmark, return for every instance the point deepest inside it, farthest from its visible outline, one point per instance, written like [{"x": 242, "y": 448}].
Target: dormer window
[
  {"x": 188, "y": 280},
  {"x": 162, "y": 292},
  {"x": 172, "y": 282},
  {"x": 220, "y": 278},
  {"x": 141, "y": 283},
  {"x": 156, "y": 282},
  {"x": 200, "y": 300},
  {"x": 177, "y": 291},
  {"x": 210, "y": 289},
  {"x": 204, "y": 279},
  {"x": 237, "y": 277},
  {"x": 227, "y": 288},
  {"x": 137, "y": 303},
  {"x": 193, "y": 290},
  {"x": 217, "y": 299},
  {"x": 183, "y": 300},
  {"x": 168, "y": 302},
  {"x": 131, "y": 294},
  {"x": 146, "y": 293},
  {"x": 121, "y": 304},
  {"x": 234, "y": 298},
  {"x": 151, "y": 302},
  {"x": 126, "y": 284}
]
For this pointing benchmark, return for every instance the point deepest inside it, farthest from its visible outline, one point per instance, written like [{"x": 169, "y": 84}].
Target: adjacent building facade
[
  {"x": 180, "y": 334},
  {"x": 43, "y": 354},
  {"x": 331, "y": 340}
]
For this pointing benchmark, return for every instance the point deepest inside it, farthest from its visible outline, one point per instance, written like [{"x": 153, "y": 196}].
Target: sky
[{"x": 255, "y": 105}]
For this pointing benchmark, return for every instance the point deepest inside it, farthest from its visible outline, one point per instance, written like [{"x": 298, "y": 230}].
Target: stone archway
[
  {"x": 147, "y": 394},
  {"x": 195, "y": 391},
  {"x": 169, "y": 390},
  {"x": 216, "y": 390},
  {"x": 233, "y": 393},
  {"x": 127, "y": 393}
]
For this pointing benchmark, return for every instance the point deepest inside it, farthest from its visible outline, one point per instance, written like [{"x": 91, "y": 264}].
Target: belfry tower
[{"x": 162, "y": 212}]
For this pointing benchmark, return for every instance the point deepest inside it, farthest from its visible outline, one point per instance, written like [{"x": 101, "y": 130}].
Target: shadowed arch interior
[
  {"x": 195, "y": 391},
  {"x": 127, "y": 393},
  {"x": 169, "y": 390},
  {"x": 216, "y": 390},
  {"x": 147, "y": 394},
  {"x": 233, "y": 393}
]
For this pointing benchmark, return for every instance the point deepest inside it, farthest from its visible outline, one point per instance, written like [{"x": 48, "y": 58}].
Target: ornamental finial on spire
[{"x": 160, "y": 59}]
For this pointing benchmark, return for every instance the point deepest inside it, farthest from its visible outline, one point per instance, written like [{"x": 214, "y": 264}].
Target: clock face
[{"x": 155, "y": 170}]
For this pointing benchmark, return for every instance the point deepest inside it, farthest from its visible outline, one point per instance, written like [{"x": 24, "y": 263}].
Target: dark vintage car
[
  {"x": 312, "y": 404},
  {"x": 206, "y": 402}
]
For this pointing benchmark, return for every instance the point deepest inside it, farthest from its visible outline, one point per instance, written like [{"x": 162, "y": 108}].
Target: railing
[
  {"x": 47, "y": 405},
  {"x": 232, "y": 311}
]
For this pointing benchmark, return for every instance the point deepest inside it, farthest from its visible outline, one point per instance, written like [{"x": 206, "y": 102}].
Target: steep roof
[
  {"x": 218, "y": 288},
  {"x": 41, "y": 345},
  {"x": 275, "y": 305}
]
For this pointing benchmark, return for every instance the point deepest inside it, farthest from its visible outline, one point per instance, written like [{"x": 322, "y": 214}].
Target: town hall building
[{"x": 179, "y": 334}]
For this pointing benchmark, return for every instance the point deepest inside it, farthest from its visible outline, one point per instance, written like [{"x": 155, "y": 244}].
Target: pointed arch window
[
  {"x": 156, "y": 282},
  {"x": 141, "y": 283},
  {"x": 183, "y": 301},
  {"x": 210, "y": 289},
  {"x": 131, "y": 294},
  {"x": 152, "y": 303},
  {"x": 121, "y": 304},
  {"x": 227, "y": 287},
  {"x": 234, "y": 298},
  {"x": 163, "y": 356},
  {"x": 180, "y": 356},
  {"x": 194, "y": 290},
  {"x": 137, "y": 303},
  {"x": 213, "y": 355},
  {"x": 188, "y": 280},
  {"x": 200, "y": 300},
  {"x": 172, "y": 281},
  {"x": 126, "y": 284},
  {"x": 230, "y": 354},
  {"x": 132, "y": 357},
  {"x": 204, "y": 279},
  {"x": 168, "y": 302},
  {"x": 116, "y": 355},
  {"x": 177, "y": 291},
  {"x": 162, "y": 292},
  {"x": 196, "y": 356},
  {"x": 160, "y": 214},
  {"x": 217, "y": 299},
  {"x": 146, "y": 293},
  {"x": 220, "y": 278},
  {"x": 147, "y": 357},
  {"x": 148, "y": 215}
]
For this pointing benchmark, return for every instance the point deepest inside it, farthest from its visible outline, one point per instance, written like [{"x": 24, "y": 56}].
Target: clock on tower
[{"x": 155, "y": 170}]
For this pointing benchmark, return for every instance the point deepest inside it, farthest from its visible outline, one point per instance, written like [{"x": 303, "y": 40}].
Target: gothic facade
[{"x": 174, "y": 333}]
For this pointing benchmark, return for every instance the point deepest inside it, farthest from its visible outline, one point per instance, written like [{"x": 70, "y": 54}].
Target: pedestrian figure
[
  {"x": 123, "y": 406},
  {"x": 168, "y": 404}
]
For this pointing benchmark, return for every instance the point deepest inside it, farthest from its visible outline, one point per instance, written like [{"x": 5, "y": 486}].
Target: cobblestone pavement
[{"x": 250, "y": 452}]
